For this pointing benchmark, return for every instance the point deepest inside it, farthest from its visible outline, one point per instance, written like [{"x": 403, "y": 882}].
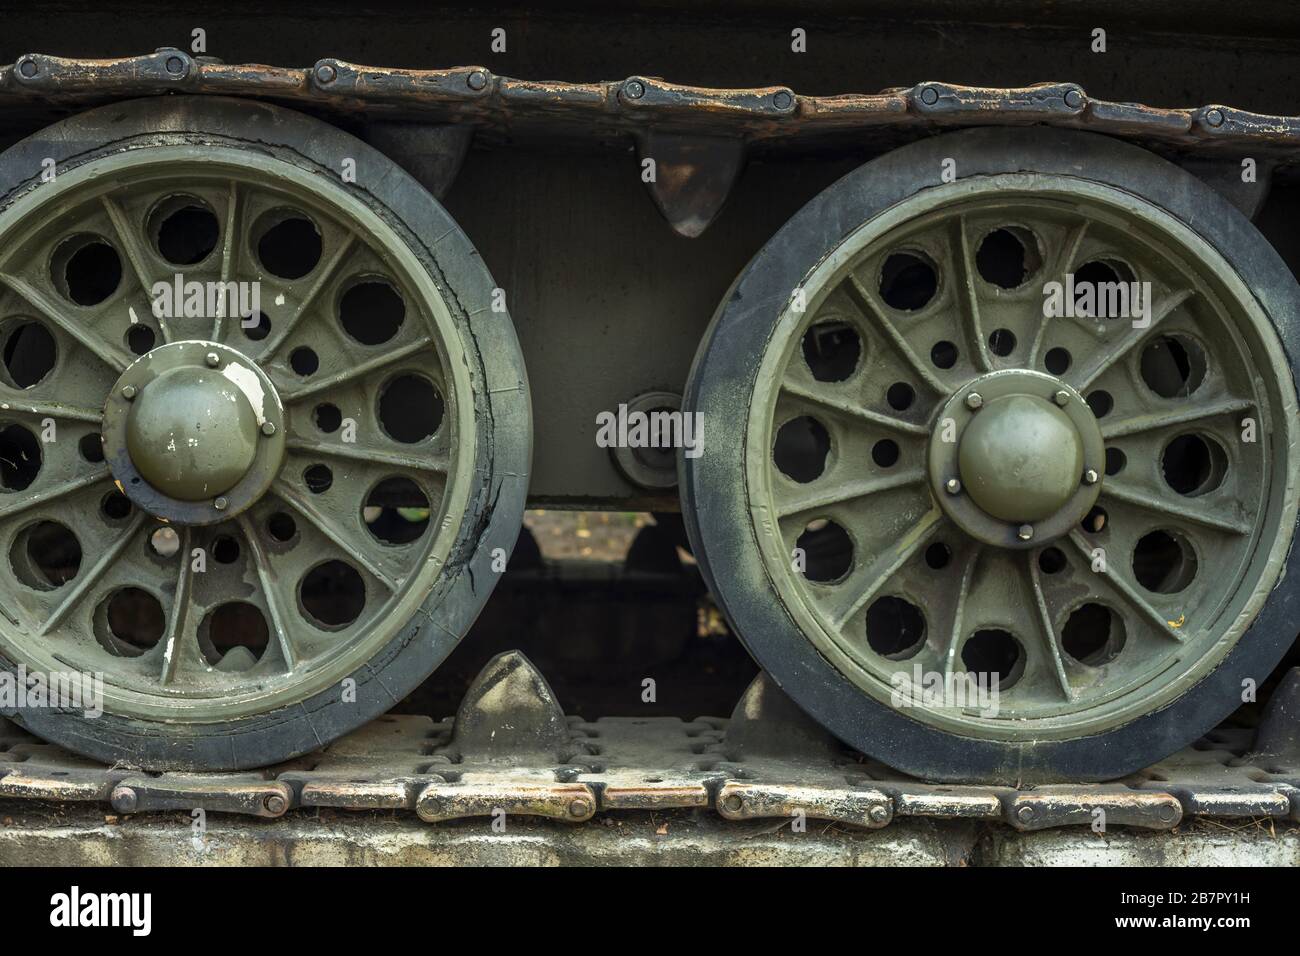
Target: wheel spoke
[
  {"x": 1051, "y": 640},
  {"x": 180, "y": 615},
  {"x": 269, "y": 593},
  {"x": 72, "y": 413},
  {"x": 277, "y": 336},
  {"x": 852, "y": 411},
  {"x": 326, "y": 527},
  {"x": 959, "y": 240},
  {"x": 884, "y": 567},
  {"x": 874, "y": 311},
  {"x": 1060, "y": 268},
  {"x": 50, "y": 312},
  {"x": 1085, "y": 376},
  {"x": 849, "y": 491},
  {"x": 357, "y": 371},
  {"x": 229, "y": 250},
  {"x": 24, "y": 502},
  {"x": 959, "y": 611},
  {"x": 86, "y": 582},
  {"x": 438, "y": 464},
  {"x": 1126, "y": 591},
  {"x": 1144, "y": 423},
  {"x": 135, "y": 254},
  {"x": 1161, "y": 506}
]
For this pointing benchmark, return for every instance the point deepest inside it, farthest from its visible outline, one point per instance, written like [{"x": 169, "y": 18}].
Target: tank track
[
  {"x": 767, "y": 118},
  {"x": 511, "y": 749}
]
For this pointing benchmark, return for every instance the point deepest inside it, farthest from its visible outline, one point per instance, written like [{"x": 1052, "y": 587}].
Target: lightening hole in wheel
[
  {"x": 115, "y": 506},
  {"x": 140, "y": 339},
  {"x": 332, "y": 594},
  {"x": 1094, "y": 521},
  {"x": 801, "y": 448},
  {"x": 328, "y": 418},
  {"x": 908, "y": 281},
  {"x": 827, "y": 551},
  {"x": 1194, "y": 464},
  {"x": 895, "y": 628},
  {"x": 1101, "y": 290},
  {"x": 86, "y": 270},
  {"x": 1002, "y": 342},
  {"x": 410, "y": 409},
  {"x": 885, "y": 453},
  {"x": 164, "y": 542},
  {"x": 256, "y": 326},
  {"x": 371, "y": 312},
  {"x": 290, "y": 244},
  {"x": 1100, "y": 402},
  {"x": 318, "y": 478},
  {"x": 45, "y": 555},
  {"x": 1007, "y": 257},
  {"x": 29, "y": 353},
  {"x": 91, "y": 447},
  {"x": 944, "y": 354},
  {"x": 225, "y": 549},
  {"x": 396, "y": 511},
  {"x": 281, "y": 527},
  {"x": 184, "y": 230},
  {"x": 1051, "y": 561},
  {"x": 1093, "y": 634},
  {"x": 1057, "y": 360},
  {"x": 304, "y": 361},
  {"x": 130, "y": 622},
  {"x": 1163, "y": 562},
  {"x": 832, "y": 351},
  {"x": 993, "y": 655},
  {"x": 1115, "y": 461},
  {"x": 234, "y": 636},
  {"x": 1173, "y": 366},
  {"x": 938, "y": 555},
  {"x": 900, "y": 396},
  {"x": 20, "y": 457}
]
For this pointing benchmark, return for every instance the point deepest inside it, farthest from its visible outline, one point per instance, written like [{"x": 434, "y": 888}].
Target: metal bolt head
[
  {"x": 733, "y": 803},
  {"x": 175, "y": 66},
  {"x": 1025, "y": 814},
  {"x": 476, "y": 80},
  {"x": 275, "y": 803},
  {"x": 213, "y": 359},
  {"x": 326, "y": 73},
  {"x": 268, "y": 428},
  {"x": 1214, "y": 117},
  {"x": 1025, "y": 532},
  {"x": 1073, "y": 99},
  {"x": 878, "y": 813},
  {"x": 929, "y": 96},
  {"x": 27, "y": 68},
  {"x": 124, "y": 800},
  {"x": 952, "y": 486},
  {"x": 579, "y": 807},
  {"x": 1062, "y": 398},
  {"x": 128, "y": 392},
  {"x": 220, "y": 504},
  {"x": 782, "y": 100},
  {"x": 634, "y": 89},
  {"x": 974, "y": 400},
  {"x": 1090, "y": 477}
]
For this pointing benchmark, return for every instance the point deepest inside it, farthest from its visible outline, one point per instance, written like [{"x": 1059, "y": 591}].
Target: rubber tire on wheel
[
  {"x": 500, "y": 399},
  {"x": 715, "y": 496}
]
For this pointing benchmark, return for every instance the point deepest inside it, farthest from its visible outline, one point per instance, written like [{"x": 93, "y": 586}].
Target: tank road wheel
[
  {"x": 263, "y": 530},
  {"x": 934, "y": 481}
]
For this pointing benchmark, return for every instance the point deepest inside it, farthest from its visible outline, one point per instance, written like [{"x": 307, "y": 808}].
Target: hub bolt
[
  {"x": 1090, "y": 476},
  {"x": 952, "y": 486},
  {"x": 128, "y": 392},
  {"x": 1026, "y": 532},
  {"x": 220, "y": 504},
  {"x": 212, "y": 359},
  {"x": 974, "y": 400},
  {"x": 268, "y": 428},
  {"x": 1062, "y": 398}
]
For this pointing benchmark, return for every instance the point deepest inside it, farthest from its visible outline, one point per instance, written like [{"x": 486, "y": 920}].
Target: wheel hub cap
[
  {"x": 1021, "y": 458},
  {"x": 192, "y": 433}
]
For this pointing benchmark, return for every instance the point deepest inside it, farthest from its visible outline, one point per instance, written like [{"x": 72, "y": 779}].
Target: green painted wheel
[
  {"x": 248, "y": 438},
  {"x": 942, "y": 481}
]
